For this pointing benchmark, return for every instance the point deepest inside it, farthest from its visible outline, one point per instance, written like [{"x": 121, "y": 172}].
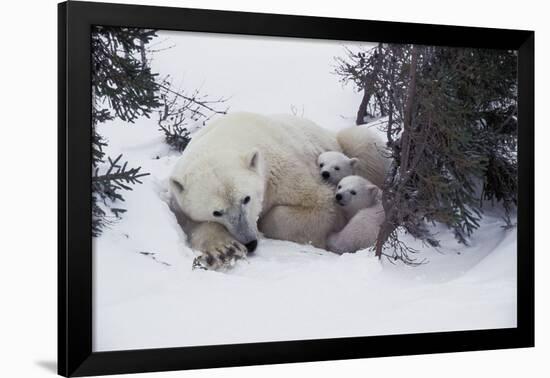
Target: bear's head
[
  {"x": 334, "y": 166},
  {"x": 354, "y": 193},
  {"x": 228, "y": 191}
]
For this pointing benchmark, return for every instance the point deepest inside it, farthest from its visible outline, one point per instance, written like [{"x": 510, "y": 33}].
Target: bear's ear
[
  {"x": 253, "y": 160},
  {"x": 353, "y": 162},
  {"x": 372, "y": 190},
  {"x": 176, "y": 185}
]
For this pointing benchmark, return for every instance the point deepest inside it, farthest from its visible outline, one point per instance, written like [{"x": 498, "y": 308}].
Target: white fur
[
  {"x": 362, "y": 205},
  {"x": 271, "y": 159},
  {"x": 334, "y": 166},
  {"x": 367, "y": 146},
  {"x": 354, "y": 193}
]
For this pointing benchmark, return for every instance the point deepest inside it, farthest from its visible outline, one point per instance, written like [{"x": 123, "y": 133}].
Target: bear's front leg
[
  {"x": 339, "y": 243},
  {"x": 219, "y": 249}
]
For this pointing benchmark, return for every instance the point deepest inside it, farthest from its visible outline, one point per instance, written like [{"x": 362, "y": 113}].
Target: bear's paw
[{"x": 220, "y": 256}]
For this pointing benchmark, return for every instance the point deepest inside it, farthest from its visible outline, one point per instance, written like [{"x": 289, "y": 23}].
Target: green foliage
[
  {"x": 107, "y": 186},
  {"x": 452, "y": 133},
  {"x": 121, "y": 75},
  {"x": 123, "y": 87},
  {"x": 176, "y": 136}
]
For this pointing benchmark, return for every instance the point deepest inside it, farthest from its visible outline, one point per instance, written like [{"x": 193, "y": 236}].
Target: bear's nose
[
  {"x": 338, "y": 197},
  {"x": 251, "y": 246},
  {"x": 325, "y": 174}
]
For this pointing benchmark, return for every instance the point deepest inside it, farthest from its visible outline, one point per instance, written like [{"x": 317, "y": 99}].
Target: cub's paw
[{"x": 221, "y": 256}]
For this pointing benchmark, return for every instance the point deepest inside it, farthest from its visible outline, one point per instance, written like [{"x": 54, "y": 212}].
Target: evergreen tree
[
  {"x": 452, "y": 128},
  {"x": 123, "y": 87}
]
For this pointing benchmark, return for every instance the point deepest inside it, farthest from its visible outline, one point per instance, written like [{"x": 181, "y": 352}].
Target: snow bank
[{"x": 147, "y": 296}]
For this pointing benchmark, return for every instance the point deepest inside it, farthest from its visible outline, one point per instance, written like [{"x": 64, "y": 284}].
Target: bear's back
[
  {"x": 367, "y": 145},
  {"x": 273, "y": 135}
]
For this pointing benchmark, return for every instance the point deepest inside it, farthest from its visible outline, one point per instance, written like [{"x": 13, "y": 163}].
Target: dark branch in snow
[{"x": 153, "y": 257}]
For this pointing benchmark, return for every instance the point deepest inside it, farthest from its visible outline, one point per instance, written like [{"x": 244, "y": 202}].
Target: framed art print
[{"x": 242, "y": 188}]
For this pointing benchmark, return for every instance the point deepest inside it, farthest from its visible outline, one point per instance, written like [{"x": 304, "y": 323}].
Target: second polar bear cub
[{"x": 362, "y": 205}]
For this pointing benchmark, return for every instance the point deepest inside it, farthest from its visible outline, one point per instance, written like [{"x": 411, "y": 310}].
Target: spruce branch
[
  {"x": 116, "y": 178},
  {"x": 452, "y": 125},
  {"x": 124, "y": 87}
]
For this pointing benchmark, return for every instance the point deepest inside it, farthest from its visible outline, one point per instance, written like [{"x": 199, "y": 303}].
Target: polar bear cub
[
  {"x": 334, "y": 166},
  {"x": 362, "y": 206}
]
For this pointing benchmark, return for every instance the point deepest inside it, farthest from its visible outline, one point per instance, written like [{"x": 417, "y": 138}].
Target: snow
[{"x": 147, "y": 296}]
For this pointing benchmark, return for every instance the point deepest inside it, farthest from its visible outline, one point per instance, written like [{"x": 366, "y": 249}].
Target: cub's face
[
  {"x": 334, "y": 166},
  {"x": 228, "y": 192},
  {"x": 354, "y": 193}
]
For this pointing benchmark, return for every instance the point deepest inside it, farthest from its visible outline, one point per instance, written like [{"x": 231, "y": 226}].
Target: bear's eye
[
  {"x": 337, "y": 168},
  {"x": 353, "y": 192},
  {"x": 246, "y": 200},
  {"x": 339, "y": 186},
  {"x": 321, "y": 165},
  {"x": 217, "y": 213}
]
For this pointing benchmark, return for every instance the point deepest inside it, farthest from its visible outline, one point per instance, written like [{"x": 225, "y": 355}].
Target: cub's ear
[
  {"x": 176, "y": 186},
  {"x": 253, "y": 160},
  {"x": 372, "y": 190},
  {"x": 353, "y": 162}
]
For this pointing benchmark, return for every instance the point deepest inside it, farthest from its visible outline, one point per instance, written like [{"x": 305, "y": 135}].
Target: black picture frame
[{"x": 75, "y": 356}]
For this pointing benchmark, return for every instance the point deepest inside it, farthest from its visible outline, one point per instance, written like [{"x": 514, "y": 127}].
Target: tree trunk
[
  {"x": 407, "y": 122},
  {"x": 389, "y": 224},
  {"x": 362, "y": 112},
  {"x": 369, "y": 89}
]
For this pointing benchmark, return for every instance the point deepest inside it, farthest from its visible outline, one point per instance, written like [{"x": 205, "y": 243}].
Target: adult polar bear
[{"x": 246, "y": 173}]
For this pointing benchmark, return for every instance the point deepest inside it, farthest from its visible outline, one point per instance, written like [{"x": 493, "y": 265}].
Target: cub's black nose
[
  {"x": 251, "y": 246},
  {"x": 325, "y": 175},
  {"x": 338, "y": 197}
]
